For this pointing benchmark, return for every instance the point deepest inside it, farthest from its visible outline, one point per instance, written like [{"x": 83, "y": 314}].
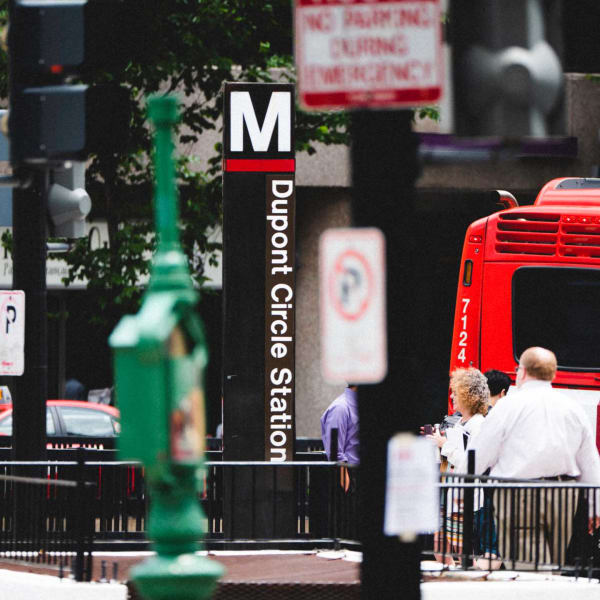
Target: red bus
[{"x": 530, "y": 276}]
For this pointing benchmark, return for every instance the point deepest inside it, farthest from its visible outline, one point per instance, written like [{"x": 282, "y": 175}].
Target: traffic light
[
  {"x": 68, "y": 202},
  {"x": 507, "y": 74},
  {"x": 51, "y": 43},
  {"x": 46, "y": 115}
]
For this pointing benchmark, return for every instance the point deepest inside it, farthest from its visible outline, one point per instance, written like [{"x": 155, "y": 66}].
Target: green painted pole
[
  {"x": 160, "y": 356},
  {"x": 169, "y": 266}
]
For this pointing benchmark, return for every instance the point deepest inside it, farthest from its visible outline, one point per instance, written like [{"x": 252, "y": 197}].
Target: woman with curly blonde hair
[{"x": 470, "y": 396}]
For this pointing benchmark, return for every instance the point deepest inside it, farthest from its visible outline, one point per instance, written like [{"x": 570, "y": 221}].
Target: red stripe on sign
[
  {"x": 326, "y": 3},
  {"x": 264, "y": 165},
  {"x": 408, "y": 97}
]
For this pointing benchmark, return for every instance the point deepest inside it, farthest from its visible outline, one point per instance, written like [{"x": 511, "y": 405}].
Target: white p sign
[{"x": 12, "y": 332}]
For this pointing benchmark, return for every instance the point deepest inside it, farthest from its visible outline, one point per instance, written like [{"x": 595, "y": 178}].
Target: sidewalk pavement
[
  {"x": 19, "y": 585},
  {"x": 516, "y": 586},
  {"x": 301, "y": 574}
]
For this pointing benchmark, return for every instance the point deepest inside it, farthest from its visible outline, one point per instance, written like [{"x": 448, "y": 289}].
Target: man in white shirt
[{"x": 538, "y": 433}]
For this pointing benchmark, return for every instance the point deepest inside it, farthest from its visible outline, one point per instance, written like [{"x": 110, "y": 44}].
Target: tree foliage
[{"x": 189, "y": 47}]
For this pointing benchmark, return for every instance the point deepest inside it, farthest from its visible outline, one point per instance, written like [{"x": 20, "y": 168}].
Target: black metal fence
[
  {"x": 303, "y": 504},
  {"x": 524, "y": 525},
  {"x": 293, "y": 505},
  {"x": 516, "y": 524},
  {"x": 45, "y": 518}
]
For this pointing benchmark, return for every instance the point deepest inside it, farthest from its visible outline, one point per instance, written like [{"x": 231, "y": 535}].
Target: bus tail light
[{"x": 467, "y": 272}]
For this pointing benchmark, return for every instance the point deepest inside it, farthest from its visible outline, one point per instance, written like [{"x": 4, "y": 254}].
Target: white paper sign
[
  {"x": 352, "y": 302},
  {"x": 12, "y": 332},
  {"x": 412, "y": 501}
]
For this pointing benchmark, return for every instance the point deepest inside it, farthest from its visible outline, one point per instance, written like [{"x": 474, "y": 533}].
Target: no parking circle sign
[
  {"x": 351, "y": 285},
  {"x": 352, "y": 305}
]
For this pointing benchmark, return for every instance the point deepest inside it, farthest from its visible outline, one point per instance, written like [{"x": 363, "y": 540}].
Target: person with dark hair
[
  {"x": 74, "y": 390},
  {"x": 499, "y": 383}
]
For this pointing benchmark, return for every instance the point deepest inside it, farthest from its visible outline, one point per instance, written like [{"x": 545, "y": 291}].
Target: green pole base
[{"x": 177, "y": 577}]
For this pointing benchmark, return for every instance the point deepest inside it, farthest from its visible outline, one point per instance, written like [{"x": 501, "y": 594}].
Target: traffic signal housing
[
  {"x": 51, "y": 44},
  {"x": 507, "y": 73}
]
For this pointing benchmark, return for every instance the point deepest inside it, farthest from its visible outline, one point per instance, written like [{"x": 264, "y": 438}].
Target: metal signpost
[
  {"x": 160, "y": 355},
  {"x": 384, "y": 54}
]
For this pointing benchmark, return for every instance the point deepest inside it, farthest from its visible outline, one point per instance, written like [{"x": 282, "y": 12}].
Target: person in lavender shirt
[{"x": 342, "y": 414}]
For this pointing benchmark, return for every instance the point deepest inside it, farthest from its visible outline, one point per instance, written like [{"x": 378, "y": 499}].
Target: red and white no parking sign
[
  {"x": 352, "y": 304},
  {"x": 357, "y": 53}
]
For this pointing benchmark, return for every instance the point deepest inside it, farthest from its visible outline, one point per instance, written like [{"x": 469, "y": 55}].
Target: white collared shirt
[
  {"x": 454, "y": 447},
  {"x": 537, "y": 432}
]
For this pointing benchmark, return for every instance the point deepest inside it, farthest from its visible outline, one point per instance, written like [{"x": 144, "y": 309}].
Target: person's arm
[
  {"x": 587, "y": 459},
  {"x": 342, "y": 425},
  {"x": 453, "y": 448},
  {"x": 588, "y": 462}
]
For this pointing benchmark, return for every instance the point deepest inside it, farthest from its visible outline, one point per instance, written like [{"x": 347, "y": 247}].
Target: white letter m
[{"x": 242, "y": 110}]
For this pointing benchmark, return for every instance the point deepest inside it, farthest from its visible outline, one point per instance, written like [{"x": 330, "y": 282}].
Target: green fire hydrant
[{"x": 160, "y": 355}]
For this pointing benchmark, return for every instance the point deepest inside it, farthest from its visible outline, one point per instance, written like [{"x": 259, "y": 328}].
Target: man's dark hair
[{"x": 497, "y": 381}]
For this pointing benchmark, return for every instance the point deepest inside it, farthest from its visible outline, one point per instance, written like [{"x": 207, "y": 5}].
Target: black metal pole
[
  {"x": 333, "y": 445},
  {"x": 82, "y": 533},
  {"x": 335, "y": 497},
  {"x": 29, "y": 275},
  {"x": 385, "y": 168},
  {"x": 469, "y": 496}
]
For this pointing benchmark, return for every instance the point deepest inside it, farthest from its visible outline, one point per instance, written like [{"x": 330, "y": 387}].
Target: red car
[
  {"x": 66, "y": 418},
  {"x": 5, "y": 398}
]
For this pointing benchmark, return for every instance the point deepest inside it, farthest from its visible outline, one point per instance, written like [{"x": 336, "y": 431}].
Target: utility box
[{"x": 160, "y": 357}]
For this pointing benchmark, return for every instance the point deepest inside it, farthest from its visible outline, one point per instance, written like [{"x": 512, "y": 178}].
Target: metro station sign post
[
  {"x": 259, "y": 300},
  {"x": 259, "y": 271}
]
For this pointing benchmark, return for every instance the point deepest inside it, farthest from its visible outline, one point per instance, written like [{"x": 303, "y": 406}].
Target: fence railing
[
  {"x": 520, "y": 524},
  {"x": 294, "y": 505},
  {"x": 484, "y": 523},
  {"x": 45, "y": 518}
]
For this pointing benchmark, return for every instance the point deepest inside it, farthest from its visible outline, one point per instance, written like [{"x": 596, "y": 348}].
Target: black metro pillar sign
[{"x": 259, "y": 295}]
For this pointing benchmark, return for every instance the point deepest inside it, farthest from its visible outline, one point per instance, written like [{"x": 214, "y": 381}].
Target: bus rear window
[{"x": 559, "y": 309}]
